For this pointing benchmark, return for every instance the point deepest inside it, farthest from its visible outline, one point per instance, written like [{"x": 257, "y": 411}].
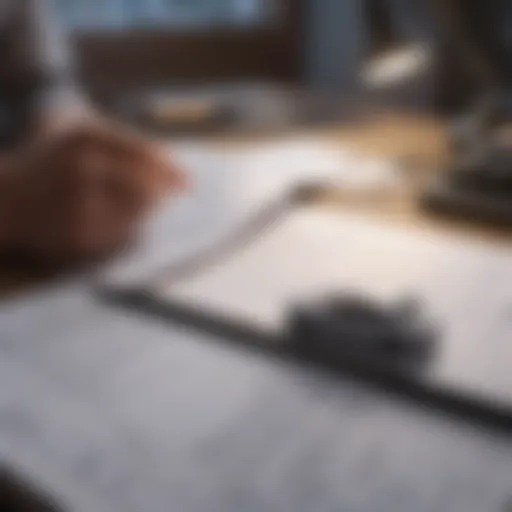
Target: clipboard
[
  {"x": 307, "y": 252},
  {"x": 280, "y": 248}
]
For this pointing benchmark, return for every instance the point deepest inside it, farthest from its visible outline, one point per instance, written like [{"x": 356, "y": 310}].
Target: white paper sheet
[
  {"x": 229, "y": 186},
  {"x": 465, "y": 288}
]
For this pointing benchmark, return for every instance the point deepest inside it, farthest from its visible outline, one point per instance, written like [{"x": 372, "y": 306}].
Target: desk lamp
[{"x": 478, "y": 182}]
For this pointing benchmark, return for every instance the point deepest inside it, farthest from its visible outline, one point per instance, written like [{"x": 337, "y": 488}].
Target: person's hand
[{"x": 82, "y": 191}]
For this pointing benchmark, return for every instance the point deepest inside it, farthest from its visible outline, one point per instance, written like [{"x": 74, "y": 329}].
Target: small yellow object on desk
[{"x": 183, "y": 111}]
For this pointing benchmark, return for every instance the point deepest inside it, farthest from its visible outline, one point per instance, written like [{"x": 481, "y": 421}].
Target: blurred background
[
  {"x": 126, "y": 45},
  {"x": 397, "y": 106},
  {"x": 392, "y": 51}
]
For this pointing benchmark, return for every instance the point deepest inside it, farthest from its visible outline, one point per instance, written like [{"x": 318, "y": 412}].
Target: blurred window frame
[{"x": 155, "y": 54}]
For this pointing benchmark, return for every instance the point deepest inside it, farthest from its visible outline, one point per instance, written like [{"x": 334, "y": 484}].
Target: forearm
[{"x": 58, "y": 105}]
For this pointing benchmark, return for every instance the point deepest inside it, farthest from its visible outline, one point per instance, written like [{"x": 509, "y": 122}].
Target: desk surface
[
  {"x": 419, "y": 144},
  {"x": 131, "y": 415}
]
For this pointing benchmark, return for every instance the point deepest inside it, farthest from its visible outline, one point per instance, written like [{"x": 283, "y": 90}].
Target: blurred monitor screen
[{"x": 128, "y": 13}]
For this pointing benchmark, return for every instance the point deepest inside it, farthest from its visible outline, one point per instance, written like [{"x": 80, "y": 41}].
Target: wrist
[{"x": 60, "y": 109}]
